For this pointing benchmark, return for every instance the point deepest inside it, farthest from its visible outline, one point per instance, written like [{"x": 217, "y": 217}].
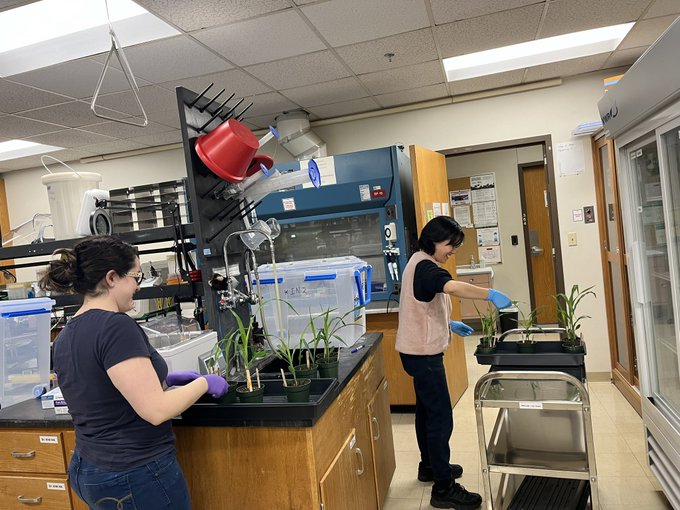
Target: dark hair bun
[{"x": 62, "y": 272}]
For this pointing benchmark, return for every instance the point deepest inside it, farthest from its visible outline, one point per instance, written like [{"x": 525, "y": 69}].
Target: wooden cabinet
[
  {"x": 467, "y": 306},
  {"x": 33, "y": 467},
  {"x": 382, "y": 443},
  {"x": 295, "y": 467}
]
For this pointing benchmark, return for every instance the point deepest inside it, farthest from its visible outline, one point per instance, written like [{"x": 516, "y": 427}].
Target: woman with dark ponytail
[{"x": 114, "y": 383}]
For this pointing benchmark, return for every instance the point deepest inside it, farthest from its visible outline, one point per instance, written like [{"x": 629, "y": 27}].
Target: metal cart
[{"x": 541, "y": 443}]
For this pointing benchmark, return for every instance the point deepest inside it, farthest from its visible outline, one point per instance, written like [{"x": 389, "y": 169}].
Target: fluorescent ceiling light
[
  {"x": 534, "y": 53},
  {"x": 45, "y": 33},
  {"x": 14, "y": 149}
]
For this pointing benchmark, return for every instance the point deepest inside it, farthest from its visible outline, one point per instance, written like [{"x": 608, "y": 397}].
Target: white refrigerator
[{"x": 642, "y": 114}]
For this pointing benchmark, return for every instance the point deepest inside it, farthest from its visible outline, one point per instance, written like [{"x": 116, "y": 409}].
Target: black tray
[
  {"x": 275, "y": 408},
  {"x": 548, "y": 354}
]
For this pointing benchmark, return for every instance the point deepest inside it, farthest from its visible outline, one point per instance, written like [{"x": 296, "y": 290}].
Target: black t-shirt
[
  {"x": 428, "y": 280},
  {"x": 109, "y": 433}
]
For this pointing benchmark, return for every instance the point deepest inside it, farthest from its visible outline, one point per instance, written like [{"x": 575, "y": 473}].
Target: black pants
[{"x": 434, "y": 414}]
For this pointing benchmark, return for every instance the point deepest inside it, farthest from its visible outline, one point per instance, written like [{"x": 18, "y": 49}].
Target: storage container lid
[
  {"x": 300, "y": 266},
  {"x": 27, "y": 305}
]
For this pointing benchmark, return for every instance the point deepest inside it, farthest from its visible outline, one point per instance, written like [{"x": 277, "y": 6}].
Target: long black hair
[
  {"x": 82, "y": 268},
  {"x": 438, "y": 229}
]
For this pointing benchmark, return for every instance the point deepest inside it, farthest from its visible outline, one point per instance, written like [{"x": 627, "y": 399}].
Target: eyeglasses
[{"x": 138, "y": 276}]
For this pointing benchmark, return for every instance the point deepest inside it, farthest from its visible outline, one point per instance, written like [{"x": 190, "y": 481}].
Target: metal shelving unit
[{"x": 543, "y": 429}]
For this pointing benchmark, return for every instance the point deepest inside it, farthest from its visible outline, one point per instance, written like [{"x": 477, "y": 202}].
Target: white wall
[{"x": 553, "y": 111}]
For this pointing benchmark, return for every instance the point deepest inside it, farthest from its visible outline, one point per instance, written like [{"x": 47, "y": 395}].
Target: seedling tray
[
  {"x": 548, "y": 354},
  {"x": 275, "y": 409}
]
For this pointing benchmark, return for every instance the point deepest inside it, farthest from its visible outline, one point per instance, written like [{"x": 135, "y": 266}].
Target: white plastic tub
[
  {"x": 184, "y": 355},
  {"x": 65, "y": 191}
]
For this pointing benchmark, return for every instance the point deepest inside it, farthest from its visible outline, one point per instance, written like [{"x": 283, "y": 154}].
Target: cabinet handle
[
  {"x": 29, "y": 501},
  {"x": 360, "y": 471},
  {"x": 23, "y": 455},
  {"x": 377, "y": 427}
]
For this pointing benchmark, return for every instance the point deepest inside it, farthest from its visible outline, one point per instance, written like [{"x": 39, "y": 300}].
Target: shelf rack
[{"x": 543, "y": 429}]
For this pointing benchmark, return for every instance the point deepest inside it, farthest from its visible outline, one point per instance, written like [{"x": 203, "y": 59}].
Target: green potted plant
[
  {"x": 298, "y": 389},
  {"x": 488, "y": 321},
  {"x": 223, "y": 347},
  {"x": 306, "y": 364},
  {"x": 569, "y": 318},
  {"x": 240, "y": 337},
  {"x": 528, "y": 326},
  {"x": 323, "y": 335}
]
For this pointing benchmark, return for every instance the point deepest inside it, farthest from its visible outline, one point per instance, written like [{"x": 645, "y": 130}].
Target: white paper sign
[
  {"x": 483, "y": 195},
  {"x": 488, "y": 237},
  {"x": 437, "y": 208},
  {"x": 54, "y": 486},
  {"x": 531, "y": 405},
  {"x": 570, "y": 158},
  {"x": 364, "y": 192},
  {"x": 485, "y": 214},
  {"x": 288, "y": 204},
  {"x": 461, "y": 214},
  {"x": 326, "y": 170},
  {"x": 445, "y": 209},
  {"x": 49, "y": 439},
  {"x": 490, "y": 254},
  {"x": 483, "y": 181},
  {"x": 459, "y": 197}
]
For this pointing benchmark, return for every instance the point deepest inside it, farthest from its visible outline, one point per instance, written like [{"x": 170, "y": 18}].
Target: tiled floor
[{"x": 625, "y": 481}]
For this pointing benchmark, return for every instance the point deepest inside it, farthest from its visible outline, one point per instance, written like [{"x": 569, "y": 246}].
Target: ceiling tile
[
  {"x": 262, "y": 121},
  {"x": 16, "y": 98},
  {"x": 171, "y": 59},
  {"x": 345, "y": 108},
  {"x": 208, "y": 13},
  {"x": 73, "y": 114},
  {"x": 409, "y": 77},
  {"x": 492, "y": 81},
  {"x": 272, "y": 102},
  {"x": 20, "y": 163},
  {"x": 122, "y": 130},
  {"x": 298, "y": 71},
  {"x": 626, "y": 57},
  {"x": 159, "y": 104},
  {"x": 156, "y": 139},
  {"x": 327, "y": 92},
  {"x": 234, "y": 80},
  {"x": 70, "y": 138},
  {"x": 645, "y": 32},
  {"x": 566, "y": 16},
  {"x": 413, "y": 96},
  {"x": 570, "y": 67},
  {"x": 279, "y": 35},
  {"x": 77, "y": 78},
  {"x": 486, "y": 32},
  {"x": 113, "y": 147},
  {"x": 663, "y": 8},
  {"x": 344, "y": 22},
  {"x": 409, "y": 48},
  {"x": 446, "y": 11},
  {"x": 18, "y": 127}
]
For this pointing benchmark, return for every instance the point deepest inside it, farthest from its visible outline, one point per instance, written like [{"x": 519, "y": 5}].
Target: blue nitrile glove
[
  {"x": 499, "y": 299},
  {"x": 460, "y": 328},
  {"x": 217, "y": 386},
  {"x": 181, "y": 377}
]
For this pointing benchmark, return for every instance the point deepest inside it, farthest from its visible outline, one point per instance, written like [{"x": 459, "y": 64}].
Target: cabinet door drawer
[
  {"x": 20, "y": 493},
  {"x": 32, "y": 452},
  {"x": 481, "y": 280}
]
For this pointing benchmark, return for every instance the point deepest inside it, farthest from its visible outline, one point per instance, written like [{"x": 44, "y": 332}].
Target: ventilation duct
[{"x": 297, "y": 137}]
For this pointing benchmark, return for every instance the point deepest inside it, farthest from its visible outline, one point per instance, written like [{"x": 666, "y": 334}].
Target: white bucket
[{"x": 65, "y": 192}]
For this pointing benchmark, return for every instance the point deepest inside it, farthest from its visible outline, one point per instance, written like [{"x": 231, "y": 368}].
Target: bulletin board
[{"x": 481, "y": 200}]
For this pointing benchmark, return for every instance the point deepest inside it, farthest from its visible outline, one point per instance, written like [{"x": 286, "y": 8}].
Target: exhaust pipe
[{"x": 297, "y": 137}]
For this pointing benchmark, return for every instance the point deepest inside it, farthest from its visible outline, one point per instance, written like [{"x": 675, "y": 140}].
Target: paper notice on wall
[
  {"x": 459, "y": 197},
  {"x": 483, "y": 181},
  {"x": 570, "y": 158},
  {"x": 326, "y": 170},
  {"x": 488, "y": 237},
  {"x": 461, "y": 214},
  {"x": 483, "y": 195},
  {"x": 490, "y": 254},
  {"x": 485, "y": 214},
  {"x": 437, "y": 208},
  {"x": 429, "y": 214},
  {"x": 445, "y": 209}
]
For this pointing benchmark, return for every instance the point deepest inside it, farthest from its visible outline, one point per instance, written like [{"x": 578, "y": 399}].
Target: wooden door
[
  {"x": 4, "y": 229},
  {"x": 382, "y": 441},
  {"x": 431, "y": 186},
  {"x": 339, "y": 485},
  {"x": 538, "y": 241},
  {"x": 615, "y": 271}
]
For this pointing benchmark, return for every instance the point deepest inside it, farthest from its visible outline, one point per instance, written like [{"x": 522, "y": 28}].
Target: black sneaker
[
  {"x": 455, "y": 497},
  {"x": 425, "y": 472}
]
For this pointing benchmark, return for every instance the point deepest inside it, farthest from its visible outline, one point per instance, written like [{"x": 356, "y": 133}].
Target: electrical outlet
[{"x": 571, "y": 239}]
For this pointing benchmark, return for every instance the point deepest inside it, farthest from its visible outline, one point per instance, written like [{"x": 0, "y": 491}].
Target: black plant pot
[
  {"x": 572, "y": 348},
  {"x": 527, "y": 347},
  {"x": 485, "y": 349}
]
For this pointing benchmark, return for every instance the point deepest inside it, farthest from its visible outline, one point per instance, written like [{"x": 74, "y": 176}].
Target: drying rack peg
[
  {"x": 239, "y": 117},
  {"x": 193, "y": 103},
  {"x": 205, "y": 106}
]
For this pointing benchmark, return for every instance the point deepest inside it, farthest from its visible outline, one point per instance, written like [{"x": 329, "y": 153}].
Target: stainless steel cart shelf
[{"x": 543, "y": 428}]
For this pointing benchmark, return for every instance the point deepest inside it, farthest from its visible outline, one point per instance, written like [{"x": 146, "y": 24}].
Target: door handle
[
  {"x": 377, "y": 428},
  {"x": 357, "y": 451},
  {"x": 29, "y": 501},
  {"x": 23, "y": 455},
  {"x": 536, "y": 250}
]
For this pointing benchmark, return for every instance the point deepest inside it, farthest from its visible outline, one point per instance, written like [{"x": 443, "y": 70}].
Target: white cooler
[{"x": 184, "y": 355}]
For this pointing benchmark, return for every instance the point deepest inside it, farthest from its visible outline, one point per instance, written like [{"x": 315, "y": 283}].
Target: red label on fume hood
[{"x": 378, "y": 193}]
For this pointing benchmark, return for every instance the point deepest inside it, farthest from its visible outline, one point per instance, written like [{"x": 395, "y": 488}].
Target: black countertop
[{"x": 268, "y": 414}]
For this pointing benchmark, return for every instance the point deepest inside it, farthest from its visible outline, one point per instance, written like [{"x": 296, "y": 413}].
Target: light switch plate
[{"x": 571, "y": 239}]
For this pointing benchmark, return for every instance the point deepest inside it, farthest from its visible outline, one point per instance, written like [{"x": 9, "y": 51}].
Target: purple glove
[
  {"x": 181, "y": 377},
  {"x": 217, "y": 386}
]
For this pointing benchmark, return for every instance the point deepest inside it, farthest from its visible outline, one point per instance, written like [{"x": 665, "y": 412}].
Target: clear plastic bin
[
  {"x": 311, "y": 287},
  {"x": 25, "y": 353}
]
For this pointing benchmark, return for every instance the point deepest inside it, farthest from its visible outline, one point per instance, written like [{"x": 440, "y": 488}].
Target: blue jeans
[
  {"x": 434, "y": 414},
  {"x": 158, "y": 485}
]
